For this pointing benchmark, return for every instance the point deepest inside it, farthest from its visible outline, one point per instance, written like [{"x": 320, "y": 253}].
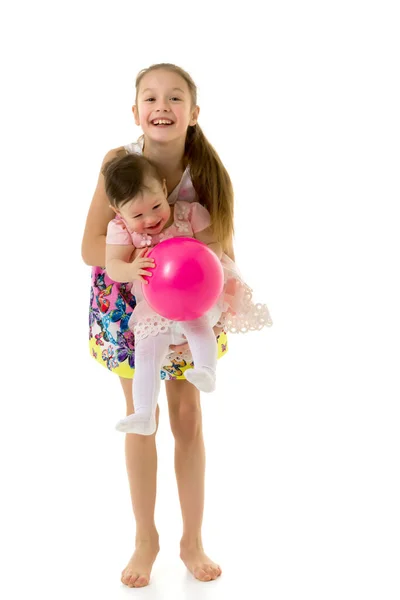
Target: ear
[
  {"x": 194, "y": 115},
  {"x": 136, "y": 114}
]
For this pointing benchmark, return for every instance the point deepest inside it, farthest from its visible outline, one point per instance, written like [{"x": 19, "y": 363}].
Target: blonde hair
[{"x": 209, "y": 177}]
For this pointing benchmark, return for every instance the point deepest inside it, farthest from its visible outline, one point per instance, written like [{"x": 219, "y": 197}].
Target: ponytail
[{"x": 211, "y": 182}]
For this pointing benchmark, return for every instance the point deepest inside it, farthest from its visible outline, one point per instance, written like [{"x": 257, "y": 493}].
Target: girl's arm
[
  {"x": 206, "y": 236},
  {"x": 99, "y": 215},
  {"x": 120, "y": 269},
  {"x": 200, "y": 221}
]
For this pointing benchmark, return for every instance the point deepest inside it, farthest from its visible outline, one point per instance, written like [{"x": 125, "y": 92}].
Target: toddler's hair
[
  {"x": 209, "y": 176},
  {"x": 125, "y": 177}
]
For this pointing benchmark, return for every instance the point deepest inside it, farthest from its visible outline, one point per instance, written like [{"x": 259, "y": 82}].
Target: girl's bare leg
[
  {"x": 186, "y": 425},
  {"x": 141, "y": 463}
]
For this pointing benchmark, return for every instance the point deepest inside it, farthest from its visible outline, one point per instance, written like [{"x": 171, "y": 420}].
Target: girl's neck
[{"x": 168, "y": 158}]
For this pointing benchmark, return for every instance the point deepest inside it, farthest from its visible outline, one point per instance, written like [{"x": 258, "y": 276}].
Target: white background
[{"x": 301, "y": 101}]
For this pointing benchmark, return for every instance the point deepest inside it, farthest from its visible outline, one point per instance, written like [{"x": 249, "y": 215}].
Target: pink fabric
[
  {"x": 189, "y": 218},
  {"x": 199, "y": 217},
  {"x": 117, "y": 233},
  {"x": 235, "y": 308}
]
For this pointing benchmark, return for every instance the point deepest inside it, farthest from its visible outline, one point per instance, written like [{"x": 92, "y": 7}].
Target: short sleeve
[
  {"x": 199, "y": 217},
  {"x": 118, "y": 234}
]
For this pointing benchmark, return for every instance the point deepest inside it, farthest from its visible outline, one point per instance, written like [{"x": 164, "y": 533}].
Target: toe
[
  {"x": 202, "y": 574},
  {"x": 216, "y": 570},
  {"x": 124, "y": 577},
  {"x": 129, "y": 579},
  {"x": 210, "y": 571},
  {"x": 132, "y": 581},
  {"x": 141, "y": 581}
]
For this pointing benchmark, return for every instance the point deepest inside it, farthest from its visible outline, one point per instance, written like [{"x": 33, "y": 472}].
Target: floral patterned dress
[{"x": 111, "y": 342}]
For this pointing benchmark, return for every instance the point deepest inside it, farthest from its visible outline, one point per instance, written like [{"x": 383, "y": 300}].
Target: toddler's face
[
  {"x": 148, "y": 212},
  {"x": 164, "y": 106}
]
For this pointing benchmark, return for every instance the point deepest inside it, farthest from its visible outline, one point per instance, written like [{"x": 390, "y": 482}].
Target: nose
[{"x": 162, "y": 106}]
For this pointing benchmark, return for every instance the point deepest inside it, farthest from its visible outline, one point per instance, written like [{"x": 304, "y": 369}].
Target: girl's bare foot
[
  {"x": 137, "y": 571},
  {"x": 198, "y": 563}
]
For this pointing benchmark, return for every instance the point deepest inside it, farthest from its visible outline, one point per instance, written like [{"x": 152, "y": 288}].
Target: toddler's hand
[
  {"x": 135, "y": 254},
  {"x": 140, "y": 263}
]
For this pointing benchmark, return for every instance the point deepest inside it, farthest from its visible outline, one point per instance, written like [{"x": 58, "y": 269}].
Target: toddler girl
[{"x": 138, "y": 196}]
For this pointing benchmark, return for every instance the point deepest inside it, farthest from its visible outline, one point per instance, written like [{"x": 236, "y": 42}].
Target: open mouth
[
  {"x": 162, "y": 122},
  {"x": 155, "y": 227}
]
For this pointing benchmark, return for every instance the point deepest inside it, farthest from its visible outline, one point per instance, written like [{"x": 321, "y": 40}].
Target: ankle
[
  {"x": 148, "y": 537},
  {"x": 191, "y": 542}
]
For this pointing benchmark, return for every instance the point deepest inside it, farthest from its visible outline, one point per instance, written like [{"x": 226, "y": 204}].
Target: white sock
[
  {"x": 143, "y": 424},
  {"x": 203, "y": 378},
  {"x": 203, "y": 345},
  {"x": 149, "y": 357}
]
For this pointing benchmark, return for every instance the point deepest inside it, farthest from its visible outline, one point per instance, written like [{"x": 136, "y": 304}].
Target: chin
[{"x": 163, "y": 135}]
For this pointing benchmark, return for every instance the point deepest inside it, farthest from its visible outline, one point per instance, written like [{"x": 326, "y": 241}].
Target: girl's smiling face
[
  {"x": 149, "y": 211},
  {"x": 164, "y": 108}
]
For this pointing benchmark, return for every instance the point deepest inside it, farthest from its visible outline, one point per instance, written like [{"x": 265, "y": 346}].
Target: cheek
[
  {"x": 143, "y": 114},
  {"x": 183, "y": 114},
  {"x": 135, "y": 225}
]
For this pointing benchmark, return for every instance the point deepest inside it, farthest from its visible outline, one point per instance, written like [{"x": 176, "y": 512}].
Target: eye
[
  {"x": 175, "y": 99},
  {"x": 137, "y": 216},
  {"x": 156, "y": 206},
  {"x": 149, "y": 99}
]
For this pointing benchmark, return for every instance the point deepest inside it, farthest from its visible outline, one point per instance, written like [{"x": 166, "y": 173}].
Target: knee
[{"x": 186, "y": 422}]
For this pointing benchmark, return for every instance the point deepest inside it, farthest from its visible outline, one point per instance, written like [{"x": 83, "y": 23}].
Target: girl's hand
[{"x": 139, "y": 264}]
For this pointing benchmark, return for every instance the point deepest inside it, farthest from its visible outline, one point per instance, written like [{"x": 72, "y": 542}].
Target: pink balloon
[{"x": 186, "y": 281}]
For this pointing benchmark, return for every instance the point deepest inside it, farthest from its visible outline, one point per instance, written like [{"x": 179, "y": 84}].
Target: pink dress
[{"x": 234, "y": 310}]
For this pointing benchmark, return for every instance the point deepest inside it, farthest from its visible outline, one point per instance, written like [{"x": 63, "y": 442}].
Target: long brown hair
[{"x": 209, "y": 176}]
